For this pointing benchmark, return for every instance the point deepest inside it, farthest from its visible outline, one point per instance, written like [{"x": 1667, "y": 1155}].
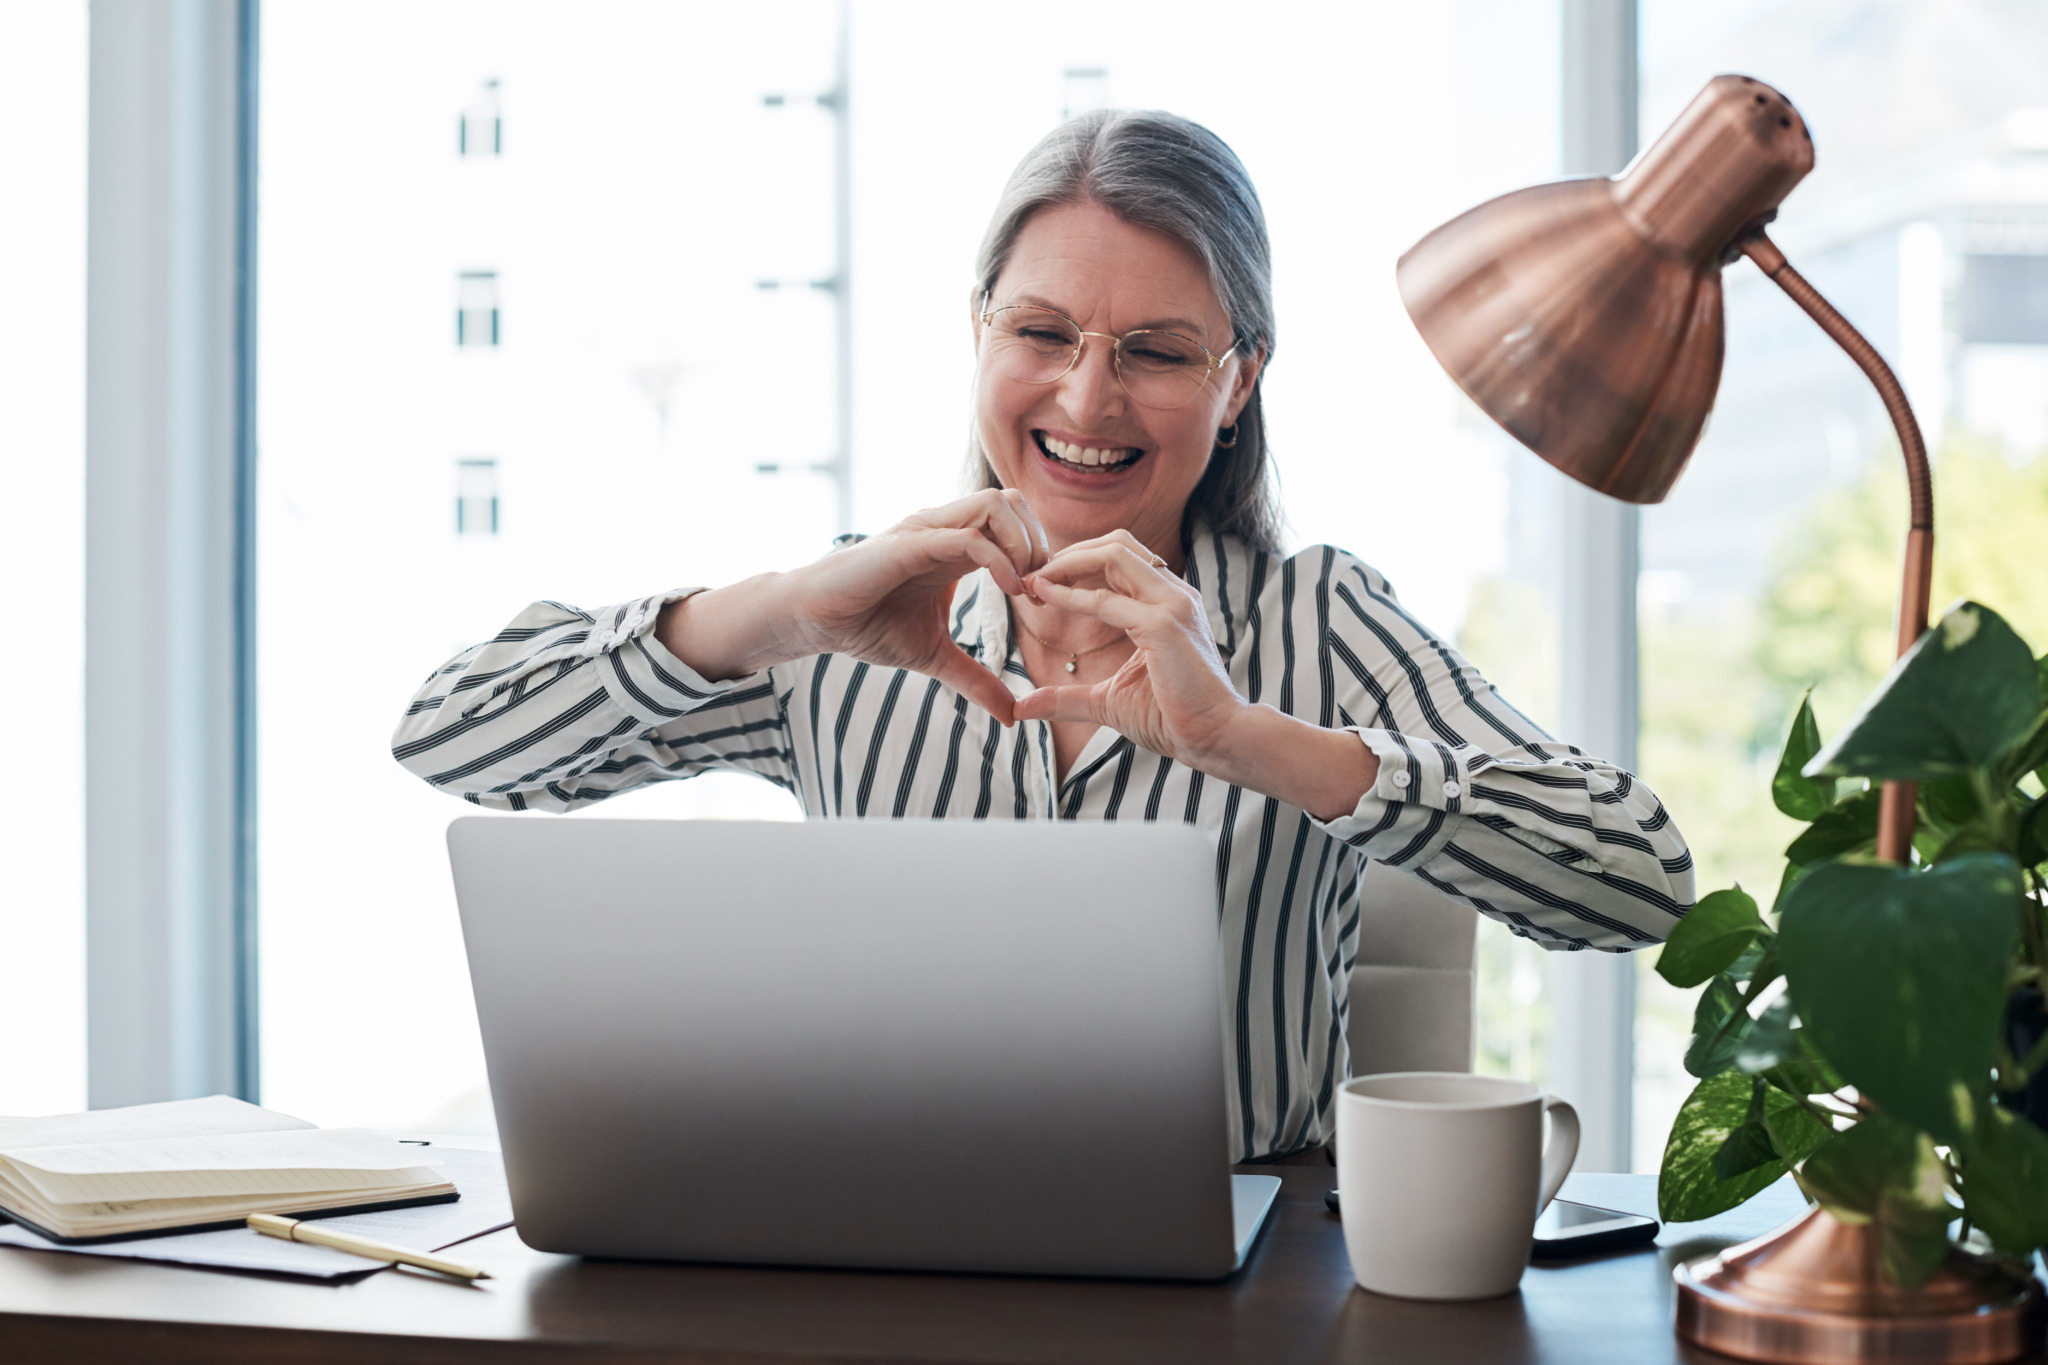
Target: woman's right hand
[{"x": 886, "y": 600}]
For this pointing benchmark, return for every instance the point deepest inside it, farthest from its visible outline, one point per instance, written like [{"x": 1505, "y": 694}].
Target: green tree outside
[{"x": 1719, "y": 689}]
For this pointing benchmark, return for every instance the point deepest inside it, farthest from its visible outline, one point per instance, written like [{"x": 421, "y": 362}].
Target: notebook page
[
  {"x": 213, "y": 1166},
  {"x": 213, "y": 1115},
  {"x": 229, "y": 1192}
]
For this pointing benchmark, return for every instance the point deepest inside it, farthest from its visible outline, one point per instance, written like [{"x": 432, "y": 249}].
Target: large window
[
  {"x": 630, "y": 214},
  {"x": 655, "y": 417},
  {"x": 42, "y": 553},
  {"x": 1774, "y": 566}
]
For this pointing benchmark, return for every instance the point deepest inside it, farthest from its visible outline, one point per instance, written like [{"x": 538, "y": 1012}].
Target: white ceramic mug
[{"x": 1442, "y": 1175}]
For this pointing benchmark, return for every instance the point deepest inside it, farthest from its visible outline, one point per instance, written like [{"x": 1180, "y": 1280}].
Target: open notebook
[{"x": 192, "y": 1164}]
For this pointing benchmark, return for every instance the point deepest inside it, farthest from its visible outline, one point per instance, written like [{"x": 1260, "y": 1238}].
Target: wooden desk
[{"x": 1295, "y": 1301}]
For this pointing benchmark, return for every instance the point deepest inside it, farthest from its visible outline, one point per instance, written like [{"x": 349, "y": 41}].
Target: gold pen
[{"x": 302, "y": 1230}]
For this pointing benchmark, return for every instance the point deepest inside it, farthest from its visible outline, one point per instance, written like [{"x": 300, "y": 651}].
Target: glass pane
[
  {"x": 418, "y": 492},
  {"x": 1774, "y": 566},
  {"x": 42, "y": 553},
  {"x": 645, "y": 378}
]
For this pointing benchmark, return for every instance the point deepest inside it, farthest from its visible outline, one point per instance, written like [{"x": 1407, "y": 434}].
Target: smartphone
[{"x": 1568, "y": 1229}]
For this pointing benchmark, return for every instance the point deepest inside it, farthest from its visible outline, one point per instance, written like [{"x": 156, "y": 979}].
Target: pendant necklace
[{"x": 1073, "y": 663}]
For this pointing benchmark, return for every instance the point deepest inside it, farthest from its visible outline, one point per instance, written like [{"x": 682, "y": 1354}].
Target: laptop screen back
[{"x": 946, "y": 1046}]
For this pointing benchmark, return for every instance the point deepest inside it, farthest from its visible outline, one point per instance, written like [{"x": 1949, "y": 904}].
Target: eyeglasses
[{"x": 1037, "y": 346}]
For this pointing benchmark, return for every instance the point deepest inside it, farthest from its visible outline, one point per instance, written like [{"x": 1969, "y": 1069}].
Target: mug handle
[{"x": 1560, "y": 1151}]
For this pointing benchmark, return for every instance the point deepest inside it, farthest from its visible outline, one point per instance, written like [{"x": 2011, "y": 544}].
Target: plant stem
[
  {"x": 1777, "y": 1148},
  {"x": 1997, "y": 810},
  {"x": 1819, "y": 1111}
]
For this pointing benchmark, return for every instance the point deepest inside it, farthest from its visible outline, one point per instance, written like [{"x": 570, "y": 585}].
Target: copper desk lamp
[{"x": 1585, "y": 317}]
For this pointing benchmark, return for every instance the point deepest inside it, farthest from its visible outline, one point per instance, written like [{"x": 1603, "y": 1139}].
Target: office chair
[{"x": 1412, "y": 989}]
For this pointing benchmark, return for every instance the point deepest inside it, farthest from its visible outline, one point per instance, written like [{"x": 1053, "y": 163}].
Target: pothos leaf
[
  {"x": 1687, "y": 1188},
  {"x": 1753, "y": 958},
  {"x": 1977, "y": 836},
  {"x": 2005, "y": 1181},
  {"x": 1793, "y": 872},
  {"x": 1899, "y": 978},
  {"x": 1799, "y": 796},
  {"x": 1950, "y": 802},
  {"x": 1842, "y": 829},
  {"x": 2031, "y": 753},
  {"x": 1965, "y": 693},
  {"x": 1749, "y": 1146},
  {"x": 1770, "y": 1041},
  {"x": 1710, "y": 938},
  {"x": 1718, "y": 1023},
  {"x": 1882, "y": 1171},
  {"x": 2033, "y": 840},
  {"x": 1777, "y": 1130}
]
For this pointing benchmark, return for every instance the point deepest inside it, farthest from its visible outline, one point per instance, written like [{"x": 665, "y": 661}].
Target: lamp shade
[{"x": 1585, "y": 316}]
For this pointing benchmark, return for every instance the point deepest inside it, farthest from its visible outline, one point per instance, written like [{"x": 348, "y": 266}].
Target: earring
[{"x": 1230, "y": 444}]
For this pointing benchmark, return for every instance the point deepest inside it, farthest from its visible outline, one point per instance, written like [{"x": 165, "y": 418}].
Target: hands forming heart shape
[{"x": 888, "y": 600}]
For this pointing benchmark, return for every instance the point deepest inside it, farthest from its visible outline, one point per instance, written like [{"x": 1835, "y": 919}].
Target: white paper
[
  {"x": 213, "y": 1115},
  {"x": 485, "y": 1206}
]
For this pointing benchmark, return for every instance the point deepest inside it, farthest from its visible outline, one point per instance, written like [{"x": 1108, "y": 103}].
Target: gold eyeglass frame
[{"x": 988, "y": 316}]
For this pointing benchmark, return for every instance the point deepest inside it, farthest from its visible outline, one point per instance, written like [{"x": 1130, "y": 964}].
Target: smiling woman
[
  {"x": 1105, "y": 429},
  {"x": 1124, "y": 547},
  {"x": 1126, "y": 193}
]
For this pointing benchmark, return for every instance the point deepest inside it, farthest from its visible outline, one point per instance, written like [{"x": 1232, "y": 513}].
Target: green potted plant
[{"x": 1881, "y": 1033}]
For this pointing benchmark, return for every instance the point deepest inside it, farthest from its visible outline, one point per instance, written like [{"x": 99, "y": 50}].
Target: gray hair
[{"x": 1167, "y": 173}]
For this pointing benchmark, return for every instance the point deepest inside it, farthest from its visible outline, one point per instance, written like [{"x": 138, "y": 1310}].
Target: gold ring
[{"x": 1157, "y": 562}]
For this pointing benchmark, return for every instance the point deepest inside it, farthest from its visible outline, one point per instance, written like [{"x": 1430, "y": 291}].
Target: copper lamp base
[{"x": 1814, "y": 1292}]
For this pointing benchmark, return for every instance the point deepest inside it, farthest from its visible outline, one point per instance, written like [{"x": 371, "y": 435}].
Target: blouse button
[
  {"x": 1399, "y": 779},
  {"x": 1451, "y": 790},
  {"x": 603, "y": 639}
]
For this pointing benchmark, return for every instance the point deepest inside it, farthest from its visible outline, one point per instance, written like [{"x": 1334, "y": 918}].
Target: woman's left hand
[{"x": 1173, "y": 696}]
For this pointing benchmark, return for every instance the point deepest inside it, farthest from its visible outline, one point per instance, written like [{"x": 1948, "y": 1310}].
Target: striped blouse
[{"x": 566, "y": 707}]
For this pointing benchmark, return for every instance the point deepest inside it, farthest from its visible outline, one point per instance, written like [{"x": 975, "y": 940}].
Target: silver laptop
[{"x": 913, "y": 1045}]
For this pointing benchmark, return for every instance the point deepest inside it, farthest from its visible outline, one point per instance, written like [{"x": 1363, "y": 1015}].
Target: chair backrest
[{"x": 1412, "y": 988}]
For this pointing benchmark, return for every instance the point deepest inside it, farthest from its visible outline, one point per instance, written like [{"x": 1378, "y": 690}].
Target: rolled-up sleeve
[
  {"x": 1478, "y": 802},
  {"x": 564, "y": 707}
]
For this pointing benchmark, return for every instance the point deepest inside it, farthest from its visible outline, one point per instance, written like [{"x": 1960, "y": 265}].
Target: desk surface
[{"x": 1294, "y": 1301}]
